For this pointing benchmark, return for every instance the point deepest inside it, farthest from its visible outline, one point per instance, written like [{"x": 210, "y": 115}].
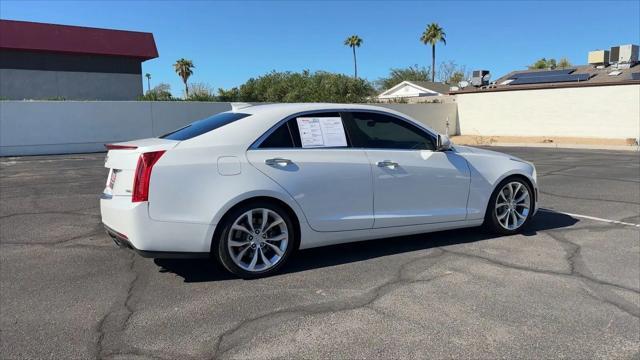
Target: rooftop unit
[
  {"x": 614, "y": 54},
  {"x": 624, "y": 54},
  {"x": 480, "y": 77},
  {"x": 598, "y": 57},
  {"x": 628, "y": 54}
]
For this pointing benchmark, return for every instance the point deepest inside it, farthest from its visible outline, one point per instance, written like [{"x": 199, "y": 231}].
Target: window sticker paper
[{"x": 321, "y": 132}]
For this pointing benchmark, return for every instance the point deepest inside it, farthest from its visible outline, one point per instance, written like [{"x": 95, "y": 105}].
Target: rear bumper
[
  {"x": 130, "y": 226},
  {"x": 123, "y": 242}
]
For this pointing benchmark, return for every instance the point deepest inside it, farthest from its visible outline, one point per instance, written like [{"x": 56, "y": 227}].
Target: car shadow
[{"x": 203, "y": 270}]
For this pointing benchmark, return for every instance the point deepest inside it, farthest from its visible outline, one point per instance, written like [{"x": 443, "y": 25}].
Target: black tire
[
  {"x": 491, "y": 222},
  {"x": 220, "y": 243}
]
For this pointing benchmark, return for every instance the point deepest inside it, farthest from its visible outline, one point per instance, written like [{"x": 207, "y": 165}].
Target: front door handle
[
  {"x": 278, "y": 162},
  {"x": 387, "y": 163}
]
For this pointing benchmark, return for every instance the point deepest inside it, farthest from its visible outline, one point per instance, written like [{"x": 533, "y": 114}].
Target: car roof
[
  {"x": 293, "y": 108},
  {"x": 282, "y": 110}
]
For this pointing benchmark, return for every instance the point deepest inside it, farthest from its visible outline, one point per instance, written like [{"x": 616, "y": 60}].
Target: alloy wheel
[
  {"x": 512, "y": 206},
  {"x": 258, "y": 240}
]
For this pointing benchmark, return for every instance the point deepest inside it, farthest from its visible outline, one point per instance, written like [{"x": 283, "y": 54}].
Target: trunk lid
[{"x": 122, "y": 159}]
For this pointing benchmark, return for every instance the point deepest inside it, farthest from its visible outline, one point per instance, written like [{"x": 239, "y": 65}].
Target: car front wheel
[
  {"x": 510, "y": 206},
  {"x": 256, "y": 240}
]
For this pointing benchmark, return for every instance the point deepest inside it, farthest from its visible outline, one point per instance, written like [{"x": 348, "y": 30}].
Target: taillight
[
  {"x": 143, "y": 175},
  {"x": 120, "y": 147}
]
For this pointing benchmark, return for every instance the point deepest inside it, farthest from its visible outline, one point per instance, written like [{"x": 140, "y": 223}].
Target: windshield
[{"x": 200, "y": 127}]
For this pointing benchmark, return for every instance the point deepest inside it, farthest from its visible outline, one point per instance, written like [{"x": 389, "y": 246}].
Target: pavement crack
[
  {"x": 580, "y": 270},
  {"x": 577, "y": 270},
  {"x": 50, "y": 213},
  {"x": 96, "y": 231},
  {"x": 630, "y": 219},
  {"x": 506, "y": 264},
  {"x": 555, "y": 172},
  {"x": 244, "y": 330},
  {"x": 589, "y": 199},
  {"x": 114, "y": 322},
  {"x": 559, "y": 172}
]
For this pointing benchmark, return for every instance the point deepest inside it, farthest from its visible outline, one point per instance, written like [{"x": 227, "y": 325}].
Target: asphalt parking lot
[{"x": 568, "y": 287}]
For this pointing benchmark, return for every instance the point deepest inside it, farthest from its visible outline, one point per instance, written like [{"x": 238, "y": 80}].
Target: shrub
[
  {"x": 201, "y": 92},
  {"x": 288, "y": 86},
  {"x": 160, "y": 92}
]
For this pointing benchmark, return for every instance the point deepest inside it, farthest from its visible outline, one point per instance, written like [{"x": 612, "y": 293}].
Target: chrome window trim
[{"x": 256, "y": 144}]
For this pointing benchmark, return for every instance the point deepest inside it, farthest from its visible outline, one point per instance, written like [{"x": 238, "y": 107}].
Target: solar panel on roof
[
  {"x": 550, "y": 79},
  {"x": 542, "y": 73}
]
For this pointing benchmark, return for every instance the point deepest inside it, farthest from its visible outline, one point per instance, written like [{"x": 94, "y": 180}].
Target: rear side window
[
  {"x": 200, "y": 127},
  {"x": 280, "y": 138},
  {"x": 287, "y": 135},
  {"x": 379, "y": 131}
]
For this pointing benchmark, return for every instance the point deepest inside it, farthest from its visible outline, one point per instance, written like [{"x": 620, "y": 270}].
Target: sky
[{"x": 230, "y": 42}]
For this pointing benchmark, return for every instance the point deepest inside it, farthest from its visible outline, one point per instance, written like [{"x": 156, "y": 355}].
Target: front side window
[
  {"x": 203, "y": 126},
  {"x": 379, "y": 131}
]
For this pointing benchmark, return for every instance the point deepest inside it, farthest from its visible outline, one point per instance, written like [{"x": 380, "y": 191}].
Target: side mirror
[{"x": 443, "y": 143}]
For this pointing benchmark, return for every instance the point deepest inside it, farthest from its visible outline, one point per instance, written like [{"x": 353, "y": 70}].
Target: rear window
[{"x": 202, "y": 126}]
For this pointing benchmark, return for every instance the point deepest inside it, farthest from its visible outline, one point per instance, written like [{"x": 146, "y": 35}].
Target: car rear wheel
[
  {"x": 256, "y": 240},
  {"x": 510, "y": 206}
]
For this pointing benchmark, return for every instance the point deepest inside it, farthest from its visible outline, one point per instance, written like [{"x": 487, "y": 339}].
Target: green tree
[
  {"x": 539, "y": 64},
  {"x": 398, "y": 75},
  {"x": 550, "y": 63},
  {"x": 300, "y": 87},
  {"x": 231, "y": 95},
  {"x": 160, "y": 92},
  {"x": 184, "y": 69},
  {"x": 432, "y": 35},
  {"x": 455, "y": 78},
  {"x": 451, "y": 73},
  {"x": 353, "y": 42},
  {"x": 564, "y": 63},
  {"x": 148, "y": 76},
  {"x": 201, "y": 92}
]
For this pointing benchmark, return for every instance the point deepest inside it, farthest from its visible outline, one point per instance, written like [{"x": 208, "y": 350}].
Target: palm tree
[
  {"x": 148, "y": 76},
  {"x": 184, "y": 69},
  {"x": 432, "y": 35},
  {"x": 354, "y": 41}
]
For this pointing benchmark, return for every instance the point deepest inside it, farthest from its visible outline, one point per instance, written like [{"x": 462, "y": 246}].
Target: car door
[
  {"x": 413, "y": 183},
  {"x": 314, "y": 163}
]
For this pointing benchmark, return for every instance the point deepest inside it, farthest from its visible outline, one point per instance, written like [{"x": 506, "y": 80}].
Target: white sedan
[{"x": 252, "y": 185}]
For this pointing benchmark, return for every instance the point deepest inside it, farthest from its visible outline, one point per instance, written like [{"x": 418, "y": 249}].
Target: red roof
[{"x": 31, "y": 36}]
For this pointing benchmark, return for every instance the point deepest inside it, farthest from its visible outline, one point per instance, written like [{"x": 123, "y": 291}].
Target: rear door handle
[
  {"x": 387, "y": 163},
  {"x": 278, "y": 162}
]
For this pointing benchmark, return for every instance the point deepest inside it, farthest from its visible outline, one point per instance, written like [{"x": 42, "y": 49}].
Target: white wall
[
  {"x": 433, "y": 115},
  {"x": 592, "y": 112},
  {"x": 59, "y": 127}
]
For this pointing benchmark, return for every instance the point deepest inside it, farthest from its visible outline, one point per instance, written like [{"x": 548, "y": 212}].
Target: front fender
[{"x": 487, "y": 171}]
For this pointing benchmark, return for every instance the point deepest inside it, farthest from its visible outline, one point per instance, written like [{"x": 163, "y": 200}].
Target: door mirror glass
[{"x": 444, "y": 143}]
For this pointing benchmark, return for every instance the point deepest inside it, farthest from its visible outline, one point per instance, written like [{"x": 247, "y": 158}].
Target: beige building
[{"x": 585, "y": 101}]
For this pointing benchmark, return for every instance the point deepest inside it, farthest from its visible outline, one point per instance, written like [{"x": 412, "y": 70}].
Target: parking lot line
[{"x": 592, "y": 218}]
